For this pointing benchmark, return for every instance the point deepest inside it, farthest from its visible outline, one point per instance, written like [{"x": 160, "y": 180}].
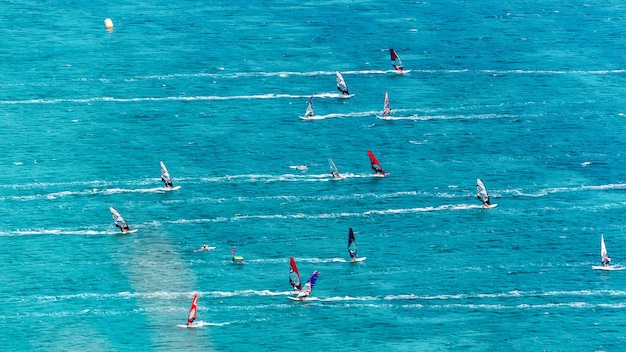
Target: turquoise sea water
[{"x": 527, "y": 96}]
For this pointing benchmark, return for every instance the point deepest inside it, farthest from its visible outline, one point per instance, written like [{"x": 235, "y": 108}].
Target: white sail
[
  {"x": 117, "y": 218},
  {"x": 165, "y": 176},
  {"x": 483, "y": 196},
  {"x": 603, "y": 252},
  {"x": 341, "y": 84},
  {"x": 386, "y": 106}
]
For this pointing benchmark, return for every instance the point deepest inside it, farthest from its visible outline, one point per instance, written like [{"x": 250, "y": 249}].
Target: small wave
[
  {"x": 440, "y": 117},
  {"x": 199, "y": 324},
  {"x": 58, "y": 232},
  {"x": 157, "y": 99},
  {"x": 336, "y": 115},
  {"x": 322, "y": 260}
]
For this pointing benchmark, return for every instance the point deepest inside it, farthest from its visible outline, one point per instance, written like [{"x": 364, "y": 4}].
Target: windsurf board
[
  {"x": 204, "y": 249},
  {"x": 607, "y": 268}
]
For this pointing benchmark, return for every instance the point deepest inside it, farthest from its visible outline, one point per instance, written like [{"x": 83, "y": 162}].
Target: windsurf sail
[
  {"x": 165, "y": 176},
  {"x": 483, "y": 196},
  {"x": 354, "y": 253},
  {"x": 341, "y": 84},
  {"x": 119, "y": 220},
  {"x": 193, "y": 310},
  {"x": 334, "y": 171},
  {"x": 604, "y": 255},
  {"x": 294, "y": 275},
  {"x": 386, "y": 106},
  {"x": 375, "y": 164},
  {"x": 308, "y": 286},
  {"x": 309, "y": 108},
  {"x": 395, "y": 60}
]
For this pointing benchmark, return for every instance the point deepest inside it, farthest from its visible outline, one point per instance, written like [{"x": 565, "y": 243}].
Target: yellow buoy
[{"x": 108, "y": 23}]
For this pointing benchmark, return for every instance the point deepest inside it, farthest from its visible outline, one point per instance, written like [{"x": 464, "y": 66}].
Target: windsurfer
[
  {"x": 190, "y": 321},
  {"x": 123, "y": 227},
  {"x": 377, "y": 169},
  {"x": 486, "y": 202},
  {"x": 606, "y": 260},
  {"x": 353, "y": 254},
  {"x": 168, "y": 184}
]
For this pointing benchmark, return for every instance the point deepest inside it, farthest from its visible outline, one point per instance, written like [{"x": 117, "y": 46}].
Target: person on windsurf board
[
  {"x": 308, "y": 286},
  {"x": 119, "y": 221}
]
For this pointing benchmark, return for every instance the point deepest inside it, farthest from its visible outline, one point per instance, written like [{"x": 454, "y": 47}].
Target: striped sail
[{"x": 386, "y": 106}]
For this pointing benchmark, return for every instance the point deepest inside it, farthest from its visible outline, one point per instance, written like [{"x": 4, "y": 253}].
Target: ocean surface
[{"x": 529, "y": 96}]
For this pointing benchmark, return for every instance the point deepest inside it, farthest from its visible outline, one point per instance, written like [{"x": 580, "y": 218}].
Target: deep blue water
[{"x": 527, "y": 96}]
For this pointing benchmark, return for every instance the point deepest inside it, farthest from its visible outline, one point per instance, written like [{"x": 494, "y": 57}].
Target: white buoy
[{"x": 108, "y": 23}]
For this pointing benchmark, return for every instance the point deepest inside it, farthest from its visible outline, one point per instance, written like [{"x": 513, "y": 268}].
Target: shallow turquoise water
[{"x": 526, "y": 96}]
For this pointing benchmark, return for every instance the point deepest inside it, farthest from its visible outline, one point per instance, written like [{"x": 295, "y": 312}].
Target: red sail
[
  {"x": 375, "y": 164},
  {"x": 193, "y": 311},
  {"x": 394, "y": 56}
]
